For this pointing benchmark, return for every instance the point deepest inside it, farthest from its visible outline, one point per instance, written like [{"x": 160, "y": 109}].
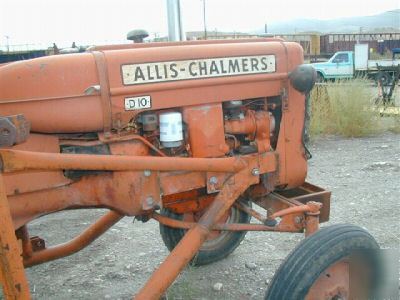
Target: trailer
[{"x": 379, "y": 42}]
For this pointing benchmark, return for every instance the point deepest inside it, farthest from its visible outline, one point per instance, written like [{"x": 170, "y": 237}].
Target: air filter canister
[{"x": 171, "y": 129}]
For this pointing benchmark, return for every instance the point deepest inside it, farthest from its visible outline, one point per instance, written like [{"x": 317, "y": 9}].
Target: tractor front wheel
[{"x": 336, "y": 262}]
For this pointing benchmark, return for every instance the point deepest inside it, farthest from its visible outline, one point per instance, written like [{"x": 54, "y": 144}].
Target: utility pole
[
  {"x": 8, "y": 43},
  {"x": 204, "y": 19},
  {"x": 175, "y": 27}
]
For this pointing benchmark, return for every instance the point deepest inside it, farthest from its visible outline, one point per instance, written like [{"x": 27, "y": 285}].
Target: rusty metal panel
[
  {"x": 29, "y": 181},
  {"x": 309, "y": 192},
  {"x": 202, "y": 129},
  {"x": 74, "y": 105},
  {"x": 177, "y": 182}
]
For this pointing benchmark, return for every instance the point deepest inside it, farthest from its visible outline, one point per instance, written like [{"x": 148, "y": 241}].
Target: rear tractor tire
[{"x": 218, "y": 245}]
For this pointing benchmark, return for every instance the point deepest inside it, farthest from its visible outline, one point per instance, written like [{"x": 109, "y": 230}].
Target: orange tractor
[{"x": 201, "y": 136}]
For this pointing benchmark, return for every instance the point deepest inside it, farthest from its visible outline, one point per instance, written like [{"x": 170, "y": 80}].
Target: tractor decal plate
[
  {"x": 134, "y": 103},
  {"x": 197, "y": 68}
]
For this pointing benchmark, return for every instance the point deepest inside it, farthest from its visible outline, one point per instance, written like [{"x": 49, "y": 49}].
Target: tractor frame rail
[{"x": 295, "y": 210}]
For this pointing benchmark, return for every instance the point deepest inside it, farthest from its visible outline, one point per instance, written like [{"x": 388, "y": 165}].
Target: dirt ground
[{"x": 362, "y": 173}]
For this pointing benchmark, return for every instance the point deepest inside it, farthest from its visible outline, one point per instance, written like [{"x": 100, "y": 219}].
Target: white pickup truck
[{"x": 348, "y": 64}]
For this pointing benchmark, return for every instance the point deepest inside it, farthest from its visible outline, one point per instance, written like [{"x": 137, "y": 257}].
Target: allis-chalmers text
[{"x": 197, "y": 68}]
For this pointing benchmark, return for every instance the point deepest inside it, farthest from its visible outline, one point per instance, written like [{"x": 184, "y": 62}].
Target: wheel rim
[
  {"x": 216, "y": 237},
  {"x": 333, "y": 283},
  {"x": 348, "y": 278}
]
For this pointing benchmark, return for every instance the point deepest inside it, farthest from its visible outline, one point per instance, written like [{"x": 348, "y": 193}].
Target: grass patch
[
  {"x": 344, "y": 108},
  {"x": 394, "y": 125}
]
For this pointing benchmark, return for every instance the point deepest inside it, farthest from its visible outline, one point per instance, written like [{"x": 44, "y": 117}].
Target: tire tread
[{"x": 320, "y": 250}]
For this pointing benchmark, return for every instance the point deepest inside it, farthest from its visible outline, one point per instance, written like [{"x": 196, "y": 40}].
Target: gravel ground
[{"x": 363, "y": 175}]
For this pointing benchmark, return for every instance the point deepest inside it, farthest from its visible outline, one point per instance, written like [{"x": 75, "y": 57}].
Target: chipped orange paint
[{"x": 60, "y": 96}]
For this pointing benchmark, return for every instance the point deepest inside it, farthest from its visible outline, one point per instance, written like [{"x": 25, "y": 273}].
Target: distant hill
[{"x": 385, "y": 22}]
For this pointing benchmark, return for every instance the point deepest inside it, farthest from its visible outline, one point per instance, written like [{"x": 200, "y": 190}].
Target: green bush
[{"x": 344, "y": 108}]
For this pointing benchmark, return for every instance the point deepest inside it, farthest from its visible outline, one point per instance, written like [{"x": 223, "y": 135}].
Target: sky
[{"x": 102, "y": 21}]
